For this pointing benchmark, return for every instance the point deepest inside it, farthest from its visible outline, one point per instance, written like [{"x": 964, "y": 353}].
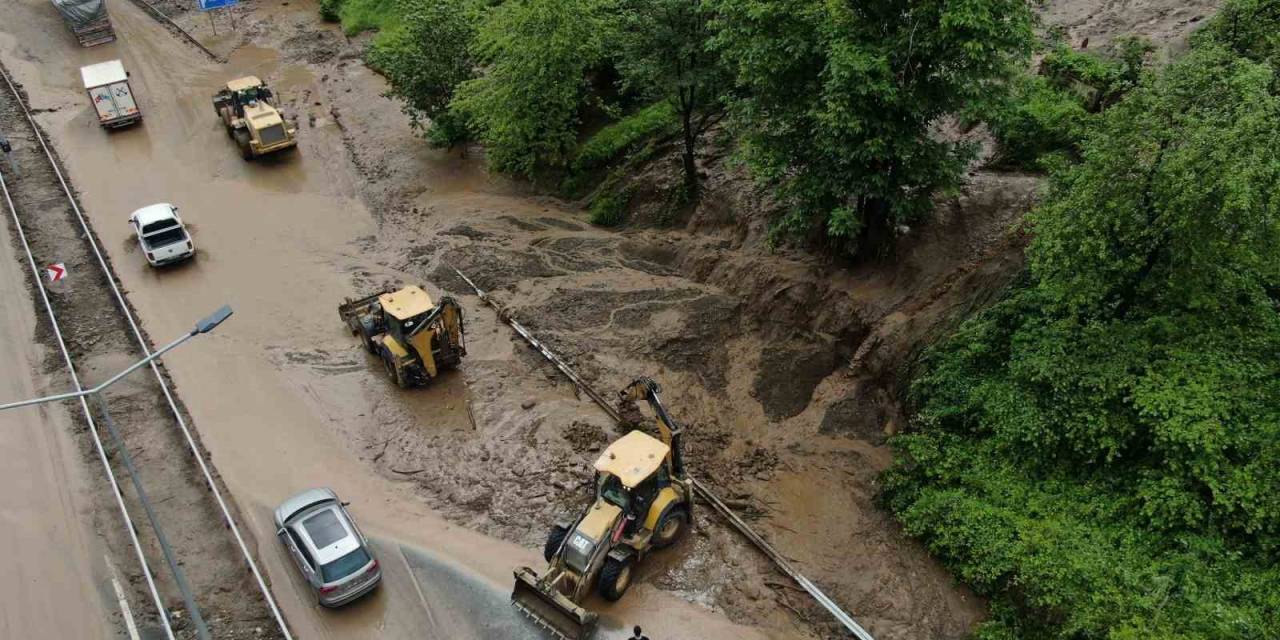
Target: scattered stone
[{"x": 528, "y": 404}]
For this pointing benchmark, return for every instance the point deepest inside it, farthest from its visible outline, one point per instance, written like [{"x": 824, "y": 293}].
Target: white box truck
[{"x": 110, "y": 93}]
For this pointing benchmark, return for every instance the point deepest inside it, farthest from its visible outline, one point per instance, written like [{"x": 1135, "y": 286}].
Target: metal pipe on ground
[{"x": 760, "y": 543}]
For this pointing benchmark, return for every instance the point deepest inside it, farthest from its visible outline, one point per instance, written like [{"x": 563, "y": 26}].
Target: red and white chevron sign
[{"x": 56, "y": 271}]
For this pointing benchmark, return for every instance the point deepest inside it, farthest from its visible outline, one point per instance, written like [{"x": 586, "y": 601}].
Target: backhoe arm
[{"x": 669, "y": 430}]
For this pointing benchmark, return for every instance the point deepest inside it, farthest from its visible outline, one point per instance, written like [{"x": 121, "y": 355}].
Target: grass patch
[
  {"x": 358, "y": 16},
  {"x": 611, "y": 141},
  {"x": 609, "y": 209}
]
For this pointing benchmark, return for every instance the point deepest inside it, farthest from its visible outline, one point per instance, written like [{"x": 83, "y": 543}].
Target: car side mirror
[
  {"x": 280, "y": 531},
  {"x": 346, "y": 504}
]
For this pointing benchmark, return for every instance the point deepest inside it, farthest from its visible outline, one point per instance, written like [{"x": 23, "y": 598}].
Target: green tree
[
  {"x": 535, "y": 55},
  {"x": 1101, "y": 451},
  {"x": 665, "y": 55},
  {"x": 837, "y": 100},
  {"x": 1251, "y": 28},
  {"x": 425, "y": 61}
]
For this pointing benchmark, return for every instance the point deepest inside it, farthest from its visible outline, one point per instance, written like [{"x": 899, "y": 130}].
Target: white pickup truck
[
  {"x": 108, "y": 86},
  {"x": 163, "y": 237}
]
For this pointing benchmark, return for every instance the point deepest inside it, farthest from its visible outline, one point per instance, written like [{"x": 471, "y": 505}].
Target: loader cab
[
  {"x": 248, "y": 90},
  {"x": 631, "y": 472},
  {"x": 405, "y": 310}
]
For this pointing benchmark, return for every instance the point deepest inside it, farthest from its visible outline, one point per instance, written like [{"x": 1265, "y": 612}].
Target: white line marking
[
  {"x": 123, "y": 601},
  {"x": 417, "y": 587}
]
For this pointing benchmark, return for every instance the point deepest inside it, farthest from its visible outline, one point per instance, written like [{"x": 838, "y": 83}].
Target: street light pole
[{"x": 205, "y": 325}]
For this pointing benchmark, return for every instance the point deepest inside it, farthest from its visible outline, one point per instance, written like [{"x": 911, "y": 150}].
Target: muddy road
[
  {"x": 282, "y": 397},
  {"x": 60, "y": 585}
]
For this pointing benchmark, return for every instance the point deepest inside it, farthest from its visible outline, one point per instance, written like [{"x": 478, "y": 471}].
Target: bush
[
  {"x": 609, "y": 208},
  {"x": 363, "y": 15},
  {"x": 329, "y": 10},
  {"x": 1050, "y": 113},
  {"x": 1035, "y": 120}
]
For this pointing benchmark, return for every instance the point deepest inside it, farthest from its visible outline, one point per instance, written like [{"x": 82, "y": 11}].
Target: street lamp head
[{"x": 213, "y": 320}]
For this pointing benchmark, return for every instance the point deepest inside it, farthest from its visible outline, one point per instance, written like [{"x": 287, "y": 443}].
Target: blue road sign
[{"x": 206, "y": 5}]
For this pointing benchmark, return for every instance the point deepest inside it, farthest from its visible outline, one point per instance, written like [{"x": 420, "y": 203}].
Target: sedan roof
[{"x": 328, "y": 533}]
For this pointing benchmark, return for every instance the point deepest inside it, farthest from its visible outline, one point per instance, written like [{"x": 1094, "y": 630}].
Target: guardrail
[{"x": 723, "y": 509}]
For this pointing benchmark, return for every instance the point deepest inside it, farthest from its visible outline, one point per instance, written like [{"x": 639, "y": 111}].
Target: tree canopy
[
  {"x": 835, "y": 101},
  {"x": 535, "y": 55},
  {"x": 1101, "y": 450}
]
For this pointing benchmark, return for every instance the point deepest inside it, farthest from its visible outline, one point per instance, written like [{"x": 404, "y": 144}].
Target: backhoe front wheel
[
  {"x": 615, "y": 577},
  {"x": 554, "y": 538},
  {"x": 671, "y": 525}
]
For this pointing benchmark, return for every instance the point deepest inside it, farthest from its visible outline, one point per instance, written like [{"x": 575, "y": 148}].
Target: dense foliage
[
  {"x": 1048, "y": 113},
  {"x": 536, "y": 54},
  {"x": 425, "y": 60},
  {"x": 836, "y": 100},
  {"x": 1100, "y": 452}
]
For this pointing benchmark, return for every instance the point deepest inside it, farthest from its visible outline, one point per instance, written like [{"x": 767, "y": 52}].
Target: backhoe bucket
[{"x": 550, "y": 609}]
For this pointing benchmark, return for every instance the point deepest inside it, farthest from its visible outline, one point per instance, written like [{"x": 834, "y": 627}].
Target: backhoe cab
[
  {"x": 415, "y": 338},
  {"x": 643, "y": 502},
  {"x": 248, "y": 110}
]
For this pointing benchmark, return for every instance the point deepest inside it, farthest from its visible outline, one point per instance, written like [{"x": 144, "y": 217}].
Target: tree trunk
[{"x": 690, "y": 166}]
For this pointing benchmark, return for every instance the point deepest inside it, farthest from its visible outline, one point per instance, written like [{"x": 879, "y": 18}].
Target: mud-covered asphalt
[{"x": 279, "y": 240}]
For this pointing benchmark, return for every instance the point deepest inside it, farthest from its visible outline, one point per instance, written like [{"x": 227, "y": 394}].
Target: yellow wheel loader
[
  {"x": 247, "y": 108},
  {"x": 415, "y": 338},
  {"x": 643, "y": 502}
]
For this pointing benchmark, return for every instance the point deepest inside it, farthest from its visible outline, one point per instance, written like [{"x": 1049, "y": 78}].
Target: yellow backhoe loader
[
  {"x": 643, "y": 502},
  {"x": 415, "y": 338},
  {"x": 247, "y": 108}
]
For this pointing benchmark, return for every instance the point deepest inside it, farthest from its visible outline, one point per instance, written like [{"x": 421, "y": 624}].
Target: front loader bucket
[{"x": 551, "y": 610}]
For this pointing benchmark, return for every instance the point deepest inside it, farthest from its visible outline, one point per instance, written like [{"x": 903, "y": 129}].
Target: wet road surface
[{"x": 277, "y": 241}]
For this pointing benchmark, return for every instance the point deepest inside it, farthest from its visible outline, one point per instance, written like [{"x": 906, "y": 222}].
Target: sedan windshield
[
  {"x": 165, "y": 238},
  {"x": 345, "y": 566}
]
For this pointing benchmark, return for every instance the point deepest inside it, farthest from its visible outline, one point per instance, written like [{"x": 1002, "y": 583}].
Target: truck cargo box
[
  {"x": 108, "y": 86},
  {"x": 87, "y": 19}
]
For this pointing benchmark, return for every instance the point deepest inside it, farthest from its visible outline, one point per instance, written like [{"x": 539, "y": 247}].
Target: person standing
[
  {"x": 8, "y": 155},
  {"x": 637, "y": 635}
]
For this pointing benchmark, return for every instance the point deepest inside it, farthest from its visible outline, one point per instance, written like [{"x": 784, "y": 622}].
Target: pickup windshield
[{"x": 165, "y": 238}]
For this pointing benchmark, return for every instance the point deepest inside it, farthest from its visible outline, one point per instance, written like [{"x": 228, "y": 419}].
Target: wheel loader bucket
[{"x": 551, "y": 610}]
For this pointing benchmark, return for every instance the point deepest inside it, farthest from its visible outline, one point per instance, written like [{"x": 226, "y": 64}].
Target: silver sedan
[{"x": 323, "y": 540}]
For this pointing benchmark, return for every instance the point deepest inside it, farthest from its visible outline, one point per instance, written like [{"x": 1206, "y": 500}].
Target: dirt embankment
[{"x": 783, "y": 365}]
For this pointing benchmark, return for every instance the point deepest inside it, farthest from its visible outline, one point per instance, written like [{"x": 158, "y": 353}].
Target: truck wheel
[
  {"x": 615, "y": 577},
  {"x": 671, "y": 525},
  {"x": 554, "y": 538},
  {"x": 242, "y": 141}
]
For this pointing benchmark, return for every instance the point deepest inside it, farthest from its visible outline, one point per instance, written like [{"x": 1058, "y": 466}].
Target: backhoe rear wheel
[
  {"x": 389, "y": 362},
  {"x": 671, "y": 525},
  {"x": 615, "y": 577},
  {"x": 554, "y": 538}
]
